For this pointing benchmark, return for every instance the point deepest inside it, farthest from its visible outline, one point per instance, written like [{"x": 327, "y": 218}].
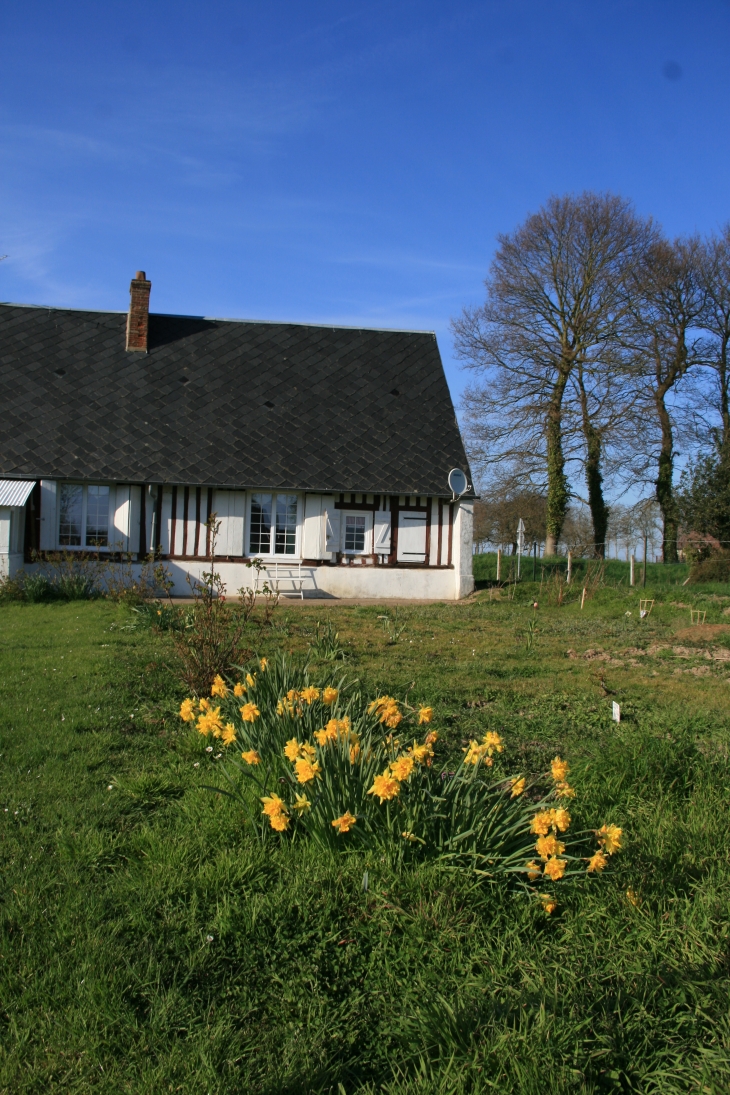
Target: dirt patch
[
  {"x": 597, "y": 655},
  {"x": 702, "y": 633}
]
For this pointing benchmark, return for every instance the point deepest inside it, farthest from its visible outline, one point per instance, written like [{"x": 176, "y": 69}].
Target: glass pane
[
  {"x": 286, "y": 524},
  {"x": 260, "y": 537},
  {"x": 354, "y": 533},
  {"x": 69, "y": 525},
  {"x": 97, "y": 516}
]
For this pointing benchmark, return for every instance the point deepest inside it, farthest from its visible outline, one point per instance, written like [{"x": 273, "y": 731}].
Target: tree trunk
[
  {"x": 724, "y": 445},
  {"x": 664, "y": 483},
  {"x": 557, "y": 493},
  {"x": 594, "y": 478}
]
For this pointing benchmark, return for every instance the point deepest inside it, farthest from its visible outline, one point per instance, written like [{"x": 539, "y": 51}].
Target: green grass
[{"x": 149, "y": 945}]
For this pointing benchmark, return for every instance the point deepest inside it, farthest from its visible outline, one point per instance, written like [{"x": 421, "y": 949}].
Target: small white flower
[
  {"x": 110, "y": 787},
  {"x": 209, "y": 748},
  {"x": 197, "y": 764},
  {"x": 218, "y": 756},
  {"x": 209, "y": 939}
]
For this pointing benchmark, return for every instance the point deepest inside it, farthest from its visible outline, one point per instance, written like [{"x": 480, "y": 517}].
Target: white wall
[
  {"x": 11, "y": 539},
  {"x": 462, "y": 553}
]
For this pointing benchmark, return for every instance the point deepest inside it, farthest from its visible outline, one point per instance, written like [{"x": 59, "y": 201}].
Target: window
[
  {"x": 354, "y": 533},
  {"x": 83, "y": 516},
  {"x": 273, "y": 524},
  {"x": 260, "y": 543},
  {"x": 357, "y": 533}
]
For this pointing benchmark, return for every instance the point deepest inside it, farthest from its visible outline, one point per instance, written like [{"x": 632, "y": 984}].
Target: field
[{"x": 148, "y": 945}]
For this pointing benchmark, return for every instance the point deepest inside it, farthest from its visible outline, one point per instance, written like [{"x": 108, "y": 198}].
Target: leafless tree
[
  {"x": 716, "y": 321},
  {"x": 668, "y": 300},
  {"x": 497, "y": 515},
  {"x": 555, "y": 302}
]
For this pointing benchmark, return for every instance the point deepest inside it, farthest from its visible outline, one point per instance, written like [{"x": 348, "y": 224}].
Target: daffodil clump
[{"x": 321, "y": 761}]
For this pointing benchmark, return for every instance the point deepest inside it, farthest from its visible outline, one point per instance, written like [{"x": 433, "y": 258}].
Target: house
[{"x": 324, "y": 451}]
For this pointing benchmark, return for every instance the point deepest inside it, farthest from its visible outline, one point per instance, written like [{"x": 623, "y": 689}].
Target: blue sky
[{"x": 339, "y": 162}]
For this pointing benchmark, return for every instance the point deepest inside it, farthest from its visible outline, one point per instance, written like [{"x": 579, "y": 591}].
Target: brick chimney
[{"x": 139, "y": 312}]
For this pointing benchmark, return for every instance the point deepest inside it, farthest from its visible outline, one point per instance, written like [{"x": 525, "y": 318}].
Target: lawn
[{"x": 149, "y": 945}]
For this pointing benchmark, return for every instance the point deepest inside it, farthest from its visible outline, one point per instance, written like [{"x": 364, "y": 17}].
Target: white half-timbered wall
[{"x": 404, "y": 530}]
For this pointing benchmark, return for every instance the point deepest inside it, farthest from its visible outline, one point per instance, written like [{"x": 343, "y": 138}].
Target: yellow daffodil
[
  {"x": 518, "y": 787},
  {"x": 609, "y": 836},
  {"x": 420, "y": 753},
  {"x": 354, "y": 752},
  {"x": 302, "y": 803},
  {"x": 251, "y": 757},
  {"x": 292, "y": 750},
  {"x": 597, "y": 862},
  {"x": 555, "y": 868},
  {"x": 306, "y": 770},
  {"x": 228, "y": 734},
  {"x": 187, "y": 710},
  {"x": 559, "y": 769},
  {"x": 220, "y": 688},
  {"x": 549, "y": 845},
  {"x": 431, "y": 737},
  {"x": 344, "y": 823},
  {"x": 561, "y": 819},
  {"x": 549, "y": 904},
  {"x": 385, "y": 787},
  {"x": 277, "y": 813},
  {"x": 308, "y": 751},
  {"x": 542, "y": 822},
  {"x": 239, "y": 690},
  {"x": 492, "y": 741},
  {"x": 251, "y": 681},
  {"x": 329, "y": 695},
  {"x": 210, "y": 722},
  {"x": 273, "y": 805},
  {"x": 263, "y": 664},
  {"x": 204, "y": 704},
  {"x": 534, "y": 870},
  {"x": 632, "y": 898},
  {"x": 564, "y": 790},
  {"x": 474, "y": 753},
  {"x": 309, "y": 695},
  {"x": 402, "y": 767},
  {"x": 425, "y": 714},
  {"x": 250, "y": 712},
  {"x": 293, "y": 695}
]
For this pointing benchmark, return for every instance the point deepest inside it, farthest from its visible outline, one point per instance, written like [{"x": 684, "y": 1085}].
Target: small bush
[
  {"x": 10, "y": 590},
  {"x": 714, "y": 569},
  {"x": 37, "y": 587}
]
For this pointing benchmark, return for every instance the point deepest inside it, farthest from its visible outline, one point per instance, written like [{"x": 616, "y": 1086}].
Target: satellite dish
[{"x": 458, "y": 482}]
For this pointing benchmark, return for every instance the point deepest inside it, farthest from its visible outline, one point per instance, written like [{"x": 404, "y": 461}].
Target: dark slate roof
[{"x": 224, "y": 403}]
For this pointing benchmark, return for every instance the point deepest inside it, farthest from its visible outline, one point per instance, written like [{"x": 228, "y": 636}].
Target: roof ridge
[{"x": 228, "y": 319}]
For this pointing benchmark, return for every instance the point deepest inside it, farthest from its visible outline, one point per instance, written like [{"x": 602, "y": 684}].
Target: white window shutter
[
  {"x": 229, "y": 507},
  {"x": 312, "y": 547},
  {"x": 236, "y": 516},
  {"x": 411, "y": 537},
  {"x": 119, "y": 514},
  {"x": 221, "y": 507},
  {"x": 49, "y": 518},
  {"x": 332, "y": 527},
  {"x": 381, "y": 537},
  {"x": 166, "y": 521},
  {"x": 135, "y": 516}
]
